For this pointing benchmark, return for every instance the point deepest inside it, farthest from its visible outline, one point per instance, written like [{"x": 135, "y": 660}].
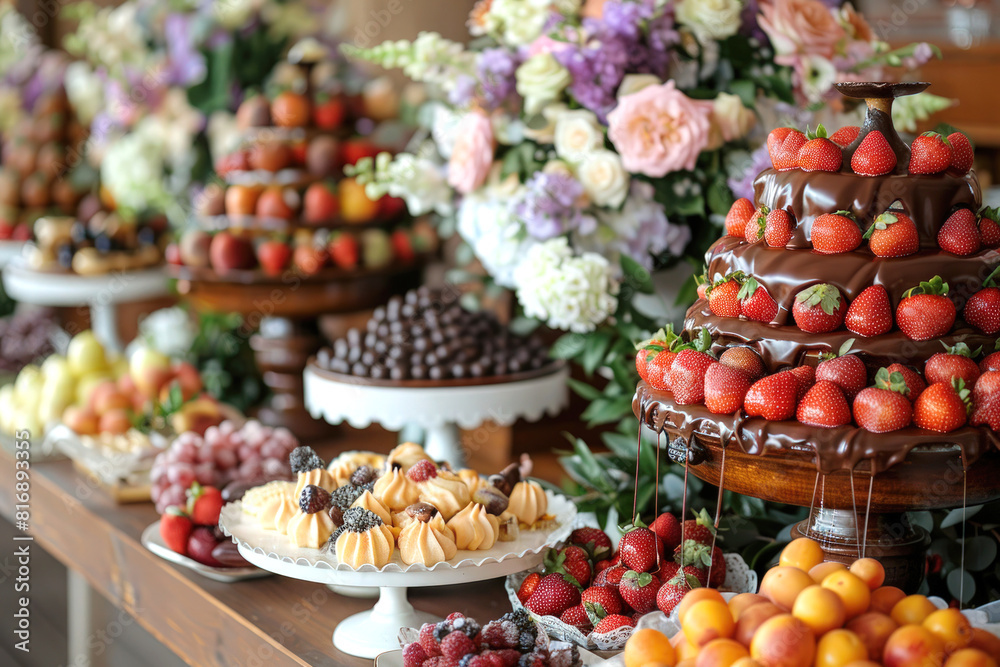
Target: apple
[
  {"x": 194, "y": 248},
  {"x": 196, "y": 415},
  {"x": 270, "y": 155},
  {"x": 8, "y": 409},
  {"x": 229, "y": 252},
  {"x": 355, "y": 206},
  {"x": 115, "y": 422},
  {"x": 100, "y": 391},
  {"x": 149, "y": 370},
  {"x": 211, "y": 201},
  {"x": 82, "y": 420},
  {"x": 189, "y": 378},
  {"x": 55, "y": 366},
  {"x": 85, "y": 354},
  {"x": 290, "y": 109},
  {"x": 376, "y": 248},
  {"x": 86, "y": 384},
  {"x": 112, "y": 400}
]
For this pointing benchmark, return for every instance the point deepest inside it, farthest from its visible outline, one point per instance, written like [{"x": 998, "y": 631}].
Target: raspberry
[
  {"x": 314, "y": 499},
  {"x": 454, "y": 616},
  {"x": 475, "y": 661},
  {"x": 456, "y": 645},
  {"x": 533, "y": 659},
  {"x": 509, "y": 657},
  {"x": 428, "y": 641},
  {"x": 414, "y": 655},
  {"x": 422, "y": 471},
  {"x": 501, "y": 634}
]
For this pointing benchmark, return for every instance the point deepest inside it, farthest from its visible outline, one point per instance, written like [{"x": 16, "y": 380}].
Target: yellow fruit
[
  {"x": 721, "y": 653},
  {"x": 783, "y": 641},
  {"x": 970, "y": 657},
  {"x": 839, "y": 647},
  {"x": 694, "y": 596},
  {"x": 874, "y": 628},
  {"x": 741, "y": 602},
  {"x": 853, "y": 592},
  {"x": 648, "y": 646},
  {"x": 85, "y": 354},
  {"x": 951, "y": 627},
  {"x": 707, "y": 620},
  {"x": 913, "y": 646},
  {"x": 884, "y": 598},
  {"x": 802, "y": 553},
  {"x": 820, "y": 572},
  {"x": 869, "y": 571},
  {"x": 912, "y": 610},
  {"x": 781, "y": 585},
  {"x": 819, "y": 608}
]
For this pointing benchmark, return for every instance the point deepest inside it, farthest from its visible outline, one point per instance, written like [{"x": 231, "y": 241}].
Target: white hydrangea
[
  {"x": 84, "y": 89},
  {"x": 516, "y": 22},
  {"x": 418, "y": 181},
  {"x": 498, "y": 239},
  {"x": 132, "y": 170},
  {"x": 169, "y": 330},
  {"x": 566, "y": 292}
]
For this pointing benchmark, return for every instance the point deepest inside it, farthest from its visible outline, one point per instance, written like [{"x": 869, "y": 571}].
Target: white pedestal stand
[{"x": 10, "y": 251}]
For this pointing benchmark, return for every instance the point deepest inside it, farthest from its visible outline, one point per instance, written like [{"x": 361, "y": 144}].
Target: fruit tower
[
  {"x": 287, "y": 237},
  {"x": 841, "y": 356}
]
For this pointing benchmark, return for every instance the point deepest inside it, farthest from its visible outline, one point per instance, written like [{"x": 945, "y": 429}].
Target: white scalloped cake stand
[
  {"x": 10, "y": 250},
  {"x": 372, "y": 632},
  {"x": 440, "y": 411},
  {"x": 100, "y": 293}
]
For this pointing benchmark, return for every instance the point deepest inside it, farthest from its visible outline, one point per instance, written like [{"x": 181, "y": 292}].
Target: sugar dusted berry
[
  {"x": 456, "y": 644},
  {"x": 345, "y": 496},
  {"x": 422, "y": 471},
  {"x": 414, "y": 655},
  {"x": 304, "y": 459},
  {"x": 428, "y": 641},
  {"x": 314, "y": 499}
]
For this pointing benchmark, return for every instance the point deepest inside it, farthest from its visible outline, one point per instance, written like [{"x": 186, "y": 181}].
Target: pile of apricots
[{"x": 814, "y": 613}]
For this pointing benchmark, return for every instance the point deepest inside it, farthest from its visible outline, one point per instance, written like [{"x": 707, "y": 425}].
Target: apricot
[
  {"x": 853, "y": 592},
  {"x": 869, "y": 571},
  {"x": 819, "y": 572},
  {"x": 819, "y": 608},
  {"x": 884, "y": 598},
  {"x": 951, "y": 627},
  {"x": 912, "y": 646},
  {"x": 863, "y": 663},
  {"x": 912, "y": 610},
  {"x": 986, "y": 641},
  {"x": 839, "y": 647},
  {"x": 694, "y": 596},
  {"x": 683, "y": 648},
  {"x": 83, "y": 421},
  {"x": 100, "y": 392},
  {"x": 802, "y": 553},
  {"x": 111, "y": 400},
  {"x": 721, "y": 653},
  {"x": 782, "y": 584},
  {"x": 648, "y": 646},
  {"x": 746, "y": 662},
  {"x": 115, "y": 422},
  {"x": 783, "y": 641},
  {"x": 752, "y": 618},
  {"x": 743, "y": 601},
  {"x": 707, "y": 620},
  {"x": 874, "y": 628},
  {"x": 969, "y": 657}
]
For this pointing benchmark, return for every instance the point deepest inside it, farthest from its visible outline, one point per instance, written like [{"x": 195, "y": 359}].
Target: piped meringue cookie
[
  {"x": 255, "y": 499},
  {"x": 509, "y": 528},
  {"x": 445, "y": 491},
  {"x": 364, "y": 539},
  {"x": 347, "y": 463},
  {"x": 310, "y": 469},
  {"x": 475, "y": 528},
  {"x": 373, "y": 504},
  {"x": 472, "y": 479},
  {"x": 405, "y": 455},
  {"x": 310, "y": 530},
  {"x": 396, "y": 490},
  {"x": 317, "y": 477},
  {"x": 421, "y": 542},
  {"x": 275, "y": 513},
  {"x": 528, "y": 502}
]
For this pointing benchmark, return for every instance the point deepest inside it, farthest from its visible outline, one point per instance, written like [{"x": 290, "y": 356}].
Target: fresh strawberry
[
  {"x": 992, "y": 361},
  {"x": 893, "y": 234},
  {"x": 577, "y": 617},
  {"x": 328, "y": 111},
  {"x": 528, "y": 586},
  {"x": 739, "y": 214},
  {"x": 593, "y": 540},
  {"x": 430, "y": 643},
  {"x": 787, "y": 156},
  {"x": 846, "y": 135},
  {"x": 756, "y": 225},
  {"x": 638, "y": 590},
  {"x": 819, "y": 309},
  {"x": 874, "y": 157},
  {"x": 871, "y": 313},
  {"x": 700, "y": 530},
  {"x": 571, "y": 561},
  {"x": 744, "y": 359},
  {"x": 913, "y": 380},
  {"x": 402, "y": 245},
  {"x": 820, "y": 153},
  {"x": 553, "y": 595},
  {"x": 982, "y": 310},
  {"x": 834, "y": 233},
  {"x": 671, "y": 593},
  {"x": 989, "y": 227},
  {"x": 725, "y": 389},
  {"x": 986, "y": 387},
  {"x": 687, "y": 374},
  {"x": 954, "y": 362},
  {"x": 987, "y": 414},
  {"x": 962, "y": 155},
  {"x": 930, "y": 154},
  {"x": 344, "y": 250},
  {"x": 959, "y": 235},
  {"x": 640, "y": 549},
  {"x": 773, "y": 397},
  {"x": 612, "y": 622},
  {"x": 703, "y": 283},
  {"x": 668, "y": 529},
  {"x": 320, "y": 203},
  {"x": 755, "y": 303},
  {"x": 824, "y": 406},
  {"x": 775, "y": 142},
  {"x": 653, "y": 358},
  {"x": 806, "y": 375},
  {"x": 942, "y": 407},
  {"x": 925, "y": 311},
  {"x": 611, "y": 576},
  {"x": 846, "y": 371},
  {"x": 717, "y": 571},
  {"x": 602, "y": 565},
  {"x": 175, "y": 529},
  {"x": 778, "y": 228},
  {"x": 273, "y": 256},
  {"x": 884, "y": 407},
  {"x": 204, "y": 504},
  {"x": 723, "y": 296},
  {"x": 606, "y": 598}
]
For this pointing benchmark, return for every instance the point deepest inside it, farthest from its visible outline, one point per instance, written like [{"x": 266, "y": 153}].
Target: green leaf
[
  {"x": 587, "y": 391},
  {"x": 923, "y": 519},
  {"x": 636, "y": 275},
  {"x": 720, "y": 197},
  {"x": 568, "y": 346},
  {"x": 595, "y": 350},
  {"x": 620, "y": 444},
  {"x": 746, "y": 90},
  {"x": 956, "y": 516},
  {"x": 980, "y": 552},
  {"x": 607, "y": 410},
  {"x": 961, "y": 585}
]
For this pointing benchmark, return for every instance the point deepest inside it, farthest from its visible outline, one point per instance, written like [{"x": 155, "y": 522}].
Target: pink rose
[
  {"x": 545, "y": 44},
  {"x": 801, "y": 27},
  {"x": 472, "y": 155},
  {"x": 659, "y": 130}
]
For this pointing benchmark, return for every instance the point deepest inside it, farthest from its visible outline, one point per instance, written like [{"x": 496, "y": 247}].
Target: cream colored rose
[
  {"x": 710, "y": 19},
  {"x": 541, "y": 79},
  {"x": 633, "y": 83},
  {"x": 542, "y": 128},
  {"x": 604, "y": 178},
  {"x": 577, "y": 134},
  {"x": 730, "y": 118}
]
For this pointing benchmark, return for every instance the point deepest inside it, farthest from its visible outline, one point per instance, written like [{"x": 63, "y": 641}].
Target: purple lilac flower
[
  {"x": 548, "y": 207},
  {"x": 462, "y": 92},
  {"x": 742, "y": 185},
  {"x": 597, "y": 72},
  {"x": 187, "y": 64},
  {"x": 496, "y": 73},
  {"x": 750, "y": 27}
]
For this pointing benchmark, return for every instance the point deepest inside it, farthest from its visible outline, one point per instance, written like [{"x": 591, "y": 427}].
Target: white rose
[
  {"x": 577, "y": 134},
  {"x": 495, "y": 235},
  {"x": 541, "y": 79},
  {"x": 516, "y": 22},
  {"x": 732, "y": 118},
  {"x": 604, "y": 178},
  {"x": 558, "y": 167},
  {"x": 542, "y": 127},
  {"x": 633, "y": 83},
  {"x": 710, "y": 19}
]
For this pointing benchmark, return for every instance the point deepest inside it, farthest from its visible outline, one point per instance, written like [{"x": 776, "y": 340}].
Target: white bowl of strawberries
[{"x": 588, "y": 594}]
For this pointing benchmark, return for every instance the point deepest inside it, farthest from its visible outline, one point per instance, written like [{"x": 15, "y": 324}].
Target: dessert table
[{"x": 274, "y": 621}]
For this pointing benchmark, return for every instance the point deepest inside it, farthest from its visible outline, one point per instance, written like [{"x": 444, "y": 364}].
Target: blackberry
[
  {"x": 467, "y": 625},
  {"x": 345, "y": 496},
  {"x": 358, "y": 520},
  {"x": 304, "y": 459},
  {"x": 314, "y": 499},
  {"x": 441, "y": 630},
  {"x": 522, "y": 620},
  {"x": 364, "y": 475},
  {"x": 526, "y": 642},
  {"x": 533, "y": 659}
]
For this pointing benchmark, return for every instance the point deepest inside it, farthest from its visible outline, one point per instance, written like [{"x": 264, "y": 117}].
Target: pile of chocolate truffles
[{"x": 427, "y": 335}]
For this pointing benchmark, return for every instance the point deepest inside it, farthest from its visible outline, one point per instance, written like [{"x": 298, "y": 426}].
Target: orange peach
[
  {"x": 884, "y": 598},
  {"x": 111, "y": 400},
  {"x": 970, "y": 657},
  {"x": 987, "y": 642},
  {"x": 874, "y": 628},
  {"x": 783, "y": 641},
  {"x": 694, "y": 596},
  {"x": 355, "y": 206},
  {"x": 707, "y": 620},
  {"x": 913, "y": 646},
  {"x": 912, "y": 610},
  {"x": 819, "y": 608},
  {"x": 782, "y": 584},
  {"x": 742, "y": 601},
  {"x": 100, "y": 392},
  {"x": 752, "y": 618},
  {"x": 839, "y": 647},
  {"x": 721, "y": 653},
  {"x": 802, "y": 553},
  {"x": 115, "y": 422},
  {"x": 83, "y": 421},
  {"x": 951, "y": 627},
  {"x": 869, "y": 571},
  {"x": 648, "y": 646},
  {"x": 819, "y": 572},
  {"x": 853, "y": 592}
]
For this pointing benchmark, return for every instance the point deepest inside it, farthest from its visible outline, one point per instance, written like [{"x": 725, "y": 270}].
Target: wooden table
[{"x": 273, "y": 621}]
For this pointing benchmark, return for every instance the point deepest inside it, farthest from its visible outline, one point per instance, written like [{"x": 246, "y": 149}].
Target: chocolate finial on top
[{"x": 879, "y": 96}]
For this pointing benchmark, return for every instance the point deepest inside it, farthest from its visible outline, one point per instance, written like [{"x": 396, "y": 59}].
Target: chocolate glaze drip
[
  {"x": 878, "y": 96},
  {"x": 835, "y": 449},
  {"x": 928, "y": 200}
]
